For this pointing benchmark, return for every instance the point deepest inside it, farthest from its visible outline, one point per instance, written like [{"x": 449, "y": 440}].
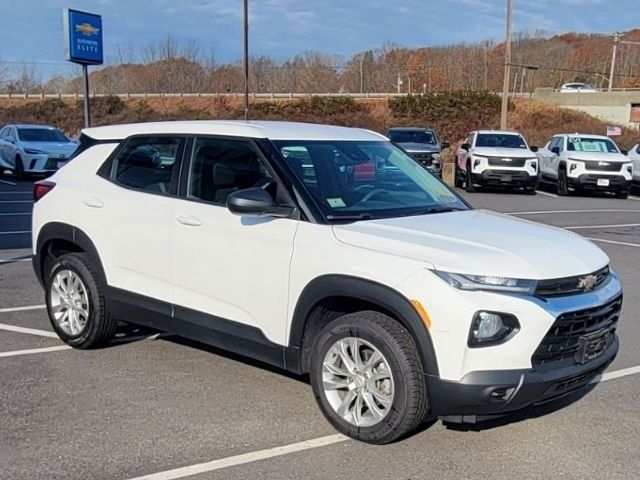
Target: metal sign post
[{"x": 83, "y": 45}]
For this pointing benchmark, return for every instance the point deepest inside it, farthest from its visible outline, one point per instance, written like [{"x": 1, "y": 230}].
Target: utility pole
[
  {"x": 507, "y": 69},
  {"x": 616, "y": 41},
  {"x": 361, "y": 73},
  {"x": 246, "y": 59}
]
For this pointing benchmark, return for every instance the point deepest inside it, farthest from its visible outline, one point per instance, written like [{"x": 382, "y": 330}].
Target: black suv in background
[{"x": 422, "y": 144}]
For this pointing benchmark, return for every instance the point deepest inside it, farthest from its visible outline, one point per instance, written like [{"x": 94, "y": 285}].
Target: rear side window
[{"x": 147, "y": 163}]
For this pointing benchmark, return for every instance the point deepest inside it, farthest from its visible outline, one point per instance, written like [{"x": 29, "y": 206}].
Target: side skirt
[{"x": 202, "y": 327}]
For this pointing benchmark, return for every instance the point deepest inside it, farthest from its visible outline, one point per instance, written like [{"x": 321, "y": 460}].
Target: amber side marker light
[{"x": 422, "y": 312}]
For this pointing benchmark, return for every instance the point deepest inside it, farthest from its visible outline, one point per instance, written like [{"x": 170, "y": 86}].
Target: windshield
[
  {"x": 413, "y": 136},
  {"x": 353, "y": 180},
  {"x": 500, "y": 140},
  {"x": 583, "y": 144},
  {"x": 41, "y": 135}
]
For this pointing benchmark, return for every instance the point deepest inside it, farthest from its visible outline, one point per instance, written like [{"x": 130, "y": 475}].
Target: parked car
[
  {"x": 495, "y": 158},
  {"x": 582, "y": 162},
  {"x": 577, "y": 88},
  {"x": 398, "y": 299},
  {"x": 634, "y": 155},
  {"x": 33, "y": 149},
  {"x": 422, "y": 144}
]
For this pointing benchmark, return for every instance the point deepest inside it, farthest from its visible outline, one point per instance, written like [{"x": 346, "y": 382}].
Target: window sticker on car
[{"x": 336, "y": 202}]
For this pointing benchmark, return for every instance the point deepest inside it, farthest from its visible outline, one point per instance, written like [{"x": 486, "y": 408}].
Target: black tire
[
  {"x": 410, "y": 403},
  {"x": 624, "y": 194},
  {"x": 562, "y": 185},
  {"x": 100, "y": 325},
  {"x": 19, "y": 168},
  {"x": 469, "y": 187},
  {"x": 530, "y": 190},
  {"x": 457, "y": 173}
]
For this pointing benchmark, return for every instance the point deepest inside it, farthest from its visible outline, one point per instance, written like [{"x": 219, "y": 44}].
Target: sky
[{"x": 31, "y": 30}]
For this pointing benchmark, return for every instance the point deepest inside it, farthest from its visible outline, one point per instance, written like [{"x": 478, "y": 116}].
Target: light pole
[
  {"x": 616, "y": 41},
  {"x": 246, "y": 59},
  {"x": 361, "y": 73},
  {"x": 507, "y": 69}
]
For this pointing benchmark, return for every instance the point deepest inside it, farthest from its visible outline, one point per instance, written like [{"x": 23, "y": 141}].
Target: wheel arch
[
  {"x": 356, "y": 294},
  {"x": 55, "y": 238}
]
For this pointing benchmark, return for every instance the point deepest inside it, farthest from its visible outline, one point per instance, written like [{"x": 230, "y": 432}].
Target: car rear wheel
[
  {"x": 76, "y": 304},
  {"x": 469, "y": 187},
  {"x": 563, "y": 184},
  {"x": 624, "y": 194},
  {"x": 367, "y": 377}
]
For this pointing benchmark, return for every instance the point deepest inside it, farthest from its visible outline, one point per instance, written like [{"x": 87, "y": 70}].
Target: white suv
[
  {"x": 577, "y": 162},
  {"x": 494, "y": 158},
  {"x": 261, "y": 238},
  {"x": 634, "y": 155}
]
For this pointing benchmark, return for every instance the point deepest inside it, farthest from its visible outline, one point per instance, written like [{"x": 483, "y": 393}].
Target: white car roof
[
  {"x": 601, "y": 137},
  {"x": 499, "y": 132},
  {"x": 273, "y": 130}
]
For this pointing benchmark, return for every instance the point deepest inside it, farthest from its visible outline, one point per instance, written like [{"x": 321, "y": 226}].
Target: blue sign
[{"x": 83, "y": 37}]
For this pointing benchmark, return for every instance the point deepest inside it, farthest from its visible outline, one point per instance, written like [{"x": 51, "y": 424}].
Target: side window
[
  {"x": 561, "y": 144},
  {"x": 220, "y": 167},
  {"x": 638, "y": 148},
  {"x": 3, "y": 132},
  {"x": 472, "y": 139},
  {"x": 147, "y": 163}
]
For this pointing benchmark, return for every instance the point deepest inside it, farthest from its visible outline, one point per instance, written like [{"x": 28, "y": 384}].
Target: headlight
[
  {"x": 478, "y": 160},
  {"x": 33, "y": 151},
  {"x": 436, "y": 157},
  {"x": 491, "y": 328},
  {"x": 488, "y": 282}
]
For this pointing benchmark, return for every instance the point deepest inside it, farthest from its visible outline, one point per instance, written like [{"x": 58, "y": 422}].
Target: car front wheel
[{"x": 367, "y": 377}]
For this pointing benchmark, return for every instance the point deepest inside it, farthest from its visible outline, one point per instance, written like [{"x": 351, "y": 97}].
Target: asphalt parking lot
[{"x": 154, "y": 407}]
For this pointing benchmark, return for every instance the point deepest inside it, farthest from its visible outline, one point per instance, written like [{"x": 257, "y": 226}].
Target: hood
[
  {"x": 503, "y": 152},
  {"x": 479, "y": 242},
  {"x": 420, "y": 147},
  {"x": 52, "y": 148},
  {"x": 598, "y": 156}
]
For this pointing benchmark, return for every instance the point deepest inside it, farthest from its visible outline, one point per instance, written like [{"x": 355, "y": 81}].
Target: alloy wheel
[{"x": 69, "y": 302}]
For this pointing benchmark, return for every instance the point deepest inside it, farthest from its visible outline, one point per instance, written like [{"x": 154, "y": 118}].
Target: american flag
[{"x": 613, "y": 131}]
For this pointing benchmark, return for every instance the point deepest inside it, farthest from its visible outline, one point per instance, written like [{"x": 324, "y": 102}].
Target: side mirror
[
  {"x": 465, "y": 146},
  {"x": 255, "y": 202},
  {"x": 624, "y": 152},
  {"x": 556, "y": 150},
  {"x": 533, "y": 148},
  {"x": 444, "y": 145}
]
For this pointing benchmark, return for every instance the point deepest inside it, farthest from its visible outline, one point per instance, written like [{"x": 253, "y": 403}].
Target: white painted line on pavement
[
  {"x": 616, "y": 374},
  {"x": 16, "y": 201},
  {"x": 8, "y": 183},
  {"x": 31, "y": 351},
  {"x": 14, "y": 214},
  {"x": 547, "y": 194},
  {"x": 28, "y": 331},
  {"x": 620, "y": 225},
  {"x": 612, "y": 241},
  {"x": 16, "y": 232},
  {"x": 22, "y": 309},
  {"x": 244, "y": 458},
  {"x": 14, "y": 260},
  {"x": 540, "y": 212},
  {"x": 634, "y": 198}
]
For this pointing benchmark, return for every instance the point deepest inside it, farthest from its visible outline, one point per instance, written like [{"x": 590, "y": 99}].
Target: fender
[
  {"x": 390, "y": 300},
  {"x": 62, "y": 231}
]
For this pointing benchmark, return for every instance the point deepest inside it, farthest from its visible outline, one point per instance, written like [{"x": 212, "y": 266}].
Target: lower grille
[
  {"x": 506, "y": 162},
  {"x": 573, "y": 383},
  {"x": 562, "y": 344},
  {"x": 602, "y": 166}
]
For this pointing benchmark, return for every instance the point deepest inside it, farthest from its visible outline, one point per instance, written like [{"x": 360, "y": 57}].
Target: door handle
[
  {"x": 189, "y": 221},
  {"x": 93, "y": 203}
]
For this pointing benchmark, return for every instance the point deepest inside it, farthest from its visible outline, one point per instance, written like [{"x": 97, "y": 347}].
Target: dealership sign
[{"x": 83, "y": 37}]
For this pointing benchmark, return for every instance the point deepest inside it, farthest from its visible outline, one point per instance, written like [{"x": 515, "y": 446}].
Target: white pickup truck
[{"x": 578, "y": 162}]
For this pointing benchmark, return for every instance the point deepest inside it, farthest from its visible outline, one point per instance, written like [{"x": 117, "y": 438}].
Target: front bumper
[
  {"x": 511, "y": 178},
  {"x": 589, "y": 181},
  {"x": 42, "y": 163},
  {"x": 490, "y": 393}
]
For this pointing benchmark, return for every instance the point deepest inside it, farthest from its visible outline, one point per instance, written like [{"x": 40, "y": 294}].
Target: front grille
[
  {"x": 603, "y": 166},
  {"x": 424, "y": 158},
  {"x": 570, "y": 285},
  {"x": 506, "y": 162},
  {"x": 560, "y": 346}
]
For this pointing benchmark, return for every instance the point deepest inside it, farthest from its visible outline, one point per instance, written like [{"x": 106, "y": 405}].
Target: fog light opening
[{"x": 492, "y": 328}]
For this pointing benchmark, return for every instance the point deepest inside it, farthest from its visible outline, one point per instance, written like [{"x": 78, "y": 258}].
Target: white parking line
[
  {"x": 22, "y": 309},
  {"x": 593, "y": 239},
  {"x": 15, "y": 260},
  {"x": 16, "y": 201},
  {"x": 8, "y": 183},
  {"x": 540, "y": 212},
  {"x": 16, "y": 232},
  {"x": 634, "y": 198},
  {"x": 28, "y": 331},
  {"x": 616, "y": 374},
  {"x": 578, "y": 227},
  {"x": 547, "y": 194},
  {"x": 31, "y": 351},
  {"x": 14, "y": 214},
  {"x": 244, "y": 458}
]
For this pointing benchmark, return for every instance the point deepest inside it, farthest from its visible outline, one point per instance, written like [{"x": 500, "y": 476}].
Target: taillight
[{"x": 40, "y": 189}]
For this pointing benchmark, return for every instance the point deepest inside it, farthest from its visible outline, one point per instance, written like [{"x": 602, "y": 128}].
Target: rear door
[{"x": 231, "y": 273}]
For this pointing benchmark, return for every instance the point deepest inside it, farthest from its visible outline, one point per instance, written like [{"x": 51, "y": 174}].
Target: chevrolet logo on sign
[
  {"x": 588, "y": 282},
  {"x": 87, "y": 29}
]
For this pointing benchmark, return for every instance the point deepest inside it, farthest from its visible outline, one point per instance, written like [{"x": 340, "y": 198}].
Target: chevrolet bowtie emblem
[
  {"x": 588, "y": 282},
  {"x": 87, "y": 29}
]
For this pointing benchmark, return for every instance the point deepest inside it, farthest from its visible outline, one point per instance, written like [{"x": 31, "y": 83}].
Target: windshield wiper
[
  {"x": 431, "y": 210},
  {"x": 351, "y": 218}
]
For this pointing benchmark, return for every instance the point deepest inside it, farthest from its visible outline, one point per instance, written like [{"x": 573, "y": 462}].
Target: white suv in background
[
  {"x": 494, "y": 158},
  {"x": 265, "y": 239},
  {"x": 578, "y": 162},
  {"x": 634, "y": 155}
]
